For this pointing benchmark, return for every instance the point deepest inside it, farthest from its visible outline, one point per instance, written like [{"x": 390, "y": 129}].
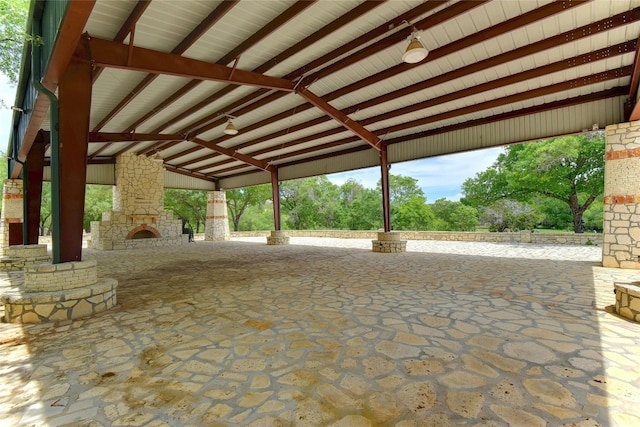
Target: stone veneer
[
  {"x": 138, "y": 206},
  {"x": 57, "y": 292},
  {"x": 18, "y": 257},
  {"x": 389, "y": 242},
  {"x": 621, "y": 225},
  {"x": 455, "y": 236},
  {"x": 277, "y": 238},
  {"x": 216, "y": 226},
  {"x": 12, "y": 209},
  {"x": 628, "y": 300}
]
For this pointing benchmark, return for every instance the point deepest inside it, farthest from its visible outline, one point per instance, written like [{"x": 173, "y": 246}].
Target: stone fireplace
[{"x": 138, "y": 218}]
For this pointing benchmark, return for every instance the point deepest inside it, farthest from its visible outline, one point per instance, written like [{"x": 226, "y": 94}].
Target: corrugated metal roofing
[{"x": 467, "y": 94}]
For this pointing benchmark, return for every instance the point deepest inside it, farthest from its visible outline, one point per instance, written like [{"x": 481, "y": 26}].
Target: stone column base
[
  {"x": 57, "y": 292},
  {"x": 628, "y": 300},
  {"x": 20, "y": 256},
  {"x": 277, "y": 238},
  {"x": 389, "y": 243}
]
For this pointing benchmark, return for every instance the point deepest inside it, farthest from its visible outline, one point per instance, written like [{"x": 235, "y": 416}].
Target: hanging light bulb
[
  {"x": 416, "y": 51},
  {"x": 230, "y": 129}
]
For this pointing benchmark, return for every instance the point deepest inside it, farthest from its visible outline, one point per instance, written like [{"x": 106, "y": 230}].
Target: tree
[
  {"x": 310, "y": 203},
  {"x": 360, "y": 207},
  {"x": 406, "y": 199},
  {"x": 13, "y": 19},
  {"x": 190, "y": 205},
  {"x": 454, "y": 216},
  {"x": 97, "y": 200},
  {"x": 569, "y": 169},
  {"x": 240, "y": 199},
  {"x": 509, "y": 215},
  {"x": 413, "y": 214}
]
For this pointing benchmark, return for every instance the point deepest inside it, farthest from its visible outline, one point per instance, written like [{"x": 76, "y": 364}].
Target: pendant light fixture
[
  {"x": 230, "y": 129},
  {"x": 415, "y": 51}
]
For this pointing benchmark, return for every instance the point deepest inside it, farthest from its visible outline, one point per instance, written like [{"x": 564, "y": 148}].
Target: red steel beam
[
  {"x": 187, "y": 42},
  {"x": 609, "y": 93},
  {"x": 110, "y": 54},
  {"x": 534, "y": 93},
  {"x": 125, "y": 29},
  {"x": 231, "y": 153},
  {"x": 282, "y": 19},
  {"x": 506, "y": 26},
  {"x": 296, "y": 74},
  {"x": 342, "y": 118},
  {"x": 275, "y": 195}
]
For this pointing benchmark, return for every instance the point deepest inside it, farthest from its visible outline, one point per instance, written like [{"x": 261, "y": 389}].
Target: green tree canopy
[
  {"x": 240, "y": 199},
  {"x": 13, "y": 18},
  {"x": 569, "y": 169},
  {"x": 190, "y": 205},
  {"x": 310, "y": 203},
  {"x": 454, "y": 216}
]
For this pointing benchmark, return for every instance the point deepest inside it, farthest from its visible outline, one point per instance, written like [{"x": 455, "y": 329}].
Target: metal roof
[{"x": 498, "y": 72}]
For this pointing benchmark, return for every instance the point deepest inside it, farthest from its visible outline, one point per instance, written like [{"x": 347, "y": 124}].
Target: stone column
[
  {"x": 278, "y": 237},
  {"x": 216, "y": 227},
  {"x": 12, "y": 210},
  {"x": 621, "y": 223},
  {"x": 389, "y": 242}
]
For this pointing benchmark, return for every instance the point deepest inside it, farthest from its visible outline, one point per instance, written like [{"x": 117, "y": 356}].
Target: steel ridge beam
[
  {"x": 508, "y": 25},
  {"x": 106, "y": 53}
]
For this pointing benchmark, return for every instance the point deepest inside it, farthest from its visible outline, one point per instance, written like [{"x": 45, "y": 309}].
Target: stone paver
[{"x": 326, "y": 332}]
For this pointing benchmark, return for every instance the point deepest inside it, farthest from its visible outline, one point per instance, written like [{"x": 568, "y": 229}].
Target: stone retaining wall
[{"x": 517, "y": 237}]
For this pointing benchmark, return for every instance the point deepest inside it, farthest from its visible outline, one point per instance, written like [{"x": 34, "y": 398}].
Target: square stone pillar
[
  {"x": 277, "y": 237},
  {"x": 216, "y": 227},
  {"x": 12, "y": 210},
  {"x": 621, "y": 223},
  {"x": 389, "y": 242}
]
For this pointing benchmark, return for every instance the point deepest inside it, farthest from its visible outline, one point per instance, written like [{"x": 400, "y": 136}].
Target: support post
[
  {"x": 275, "y": 189},
  {"x": 33, "y": 171},
  {"x": 74, "y": 93},
  {"x": 384, "y": 170}
]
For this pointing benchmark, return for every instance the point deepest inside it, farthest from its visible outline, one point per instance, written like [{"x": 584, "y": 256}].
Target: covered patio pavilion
[
  {"x": 228, "y": 94},
  {"x": 446, "y": 334},
  {"x": 294, "y": 335}
]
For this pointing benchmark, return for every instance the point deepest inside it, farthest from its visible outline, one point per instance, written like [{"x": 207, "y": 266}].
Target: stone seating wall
[{"x": 516, "y": 237}]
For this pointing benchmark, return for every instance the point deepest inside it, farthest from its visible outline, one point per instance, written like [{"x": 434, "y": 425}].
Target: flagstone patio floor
[{"x": 324, "y": 332}]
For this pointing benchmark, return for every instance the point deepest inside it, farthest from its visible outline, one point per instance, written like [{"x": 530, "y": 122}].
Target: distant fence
[{"x": 458, "y": 236}]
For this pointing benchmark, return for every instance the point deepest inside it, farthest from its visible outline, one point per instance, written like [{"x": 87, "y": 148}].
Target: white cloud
[{"x": 437, "y": 176}]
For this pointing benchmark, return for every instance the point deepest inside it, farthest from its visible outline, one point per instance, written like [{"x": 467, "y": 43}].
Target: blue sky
[
  {"x": 7, "y": 94},
  {"x": 438, "y": 176}
]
